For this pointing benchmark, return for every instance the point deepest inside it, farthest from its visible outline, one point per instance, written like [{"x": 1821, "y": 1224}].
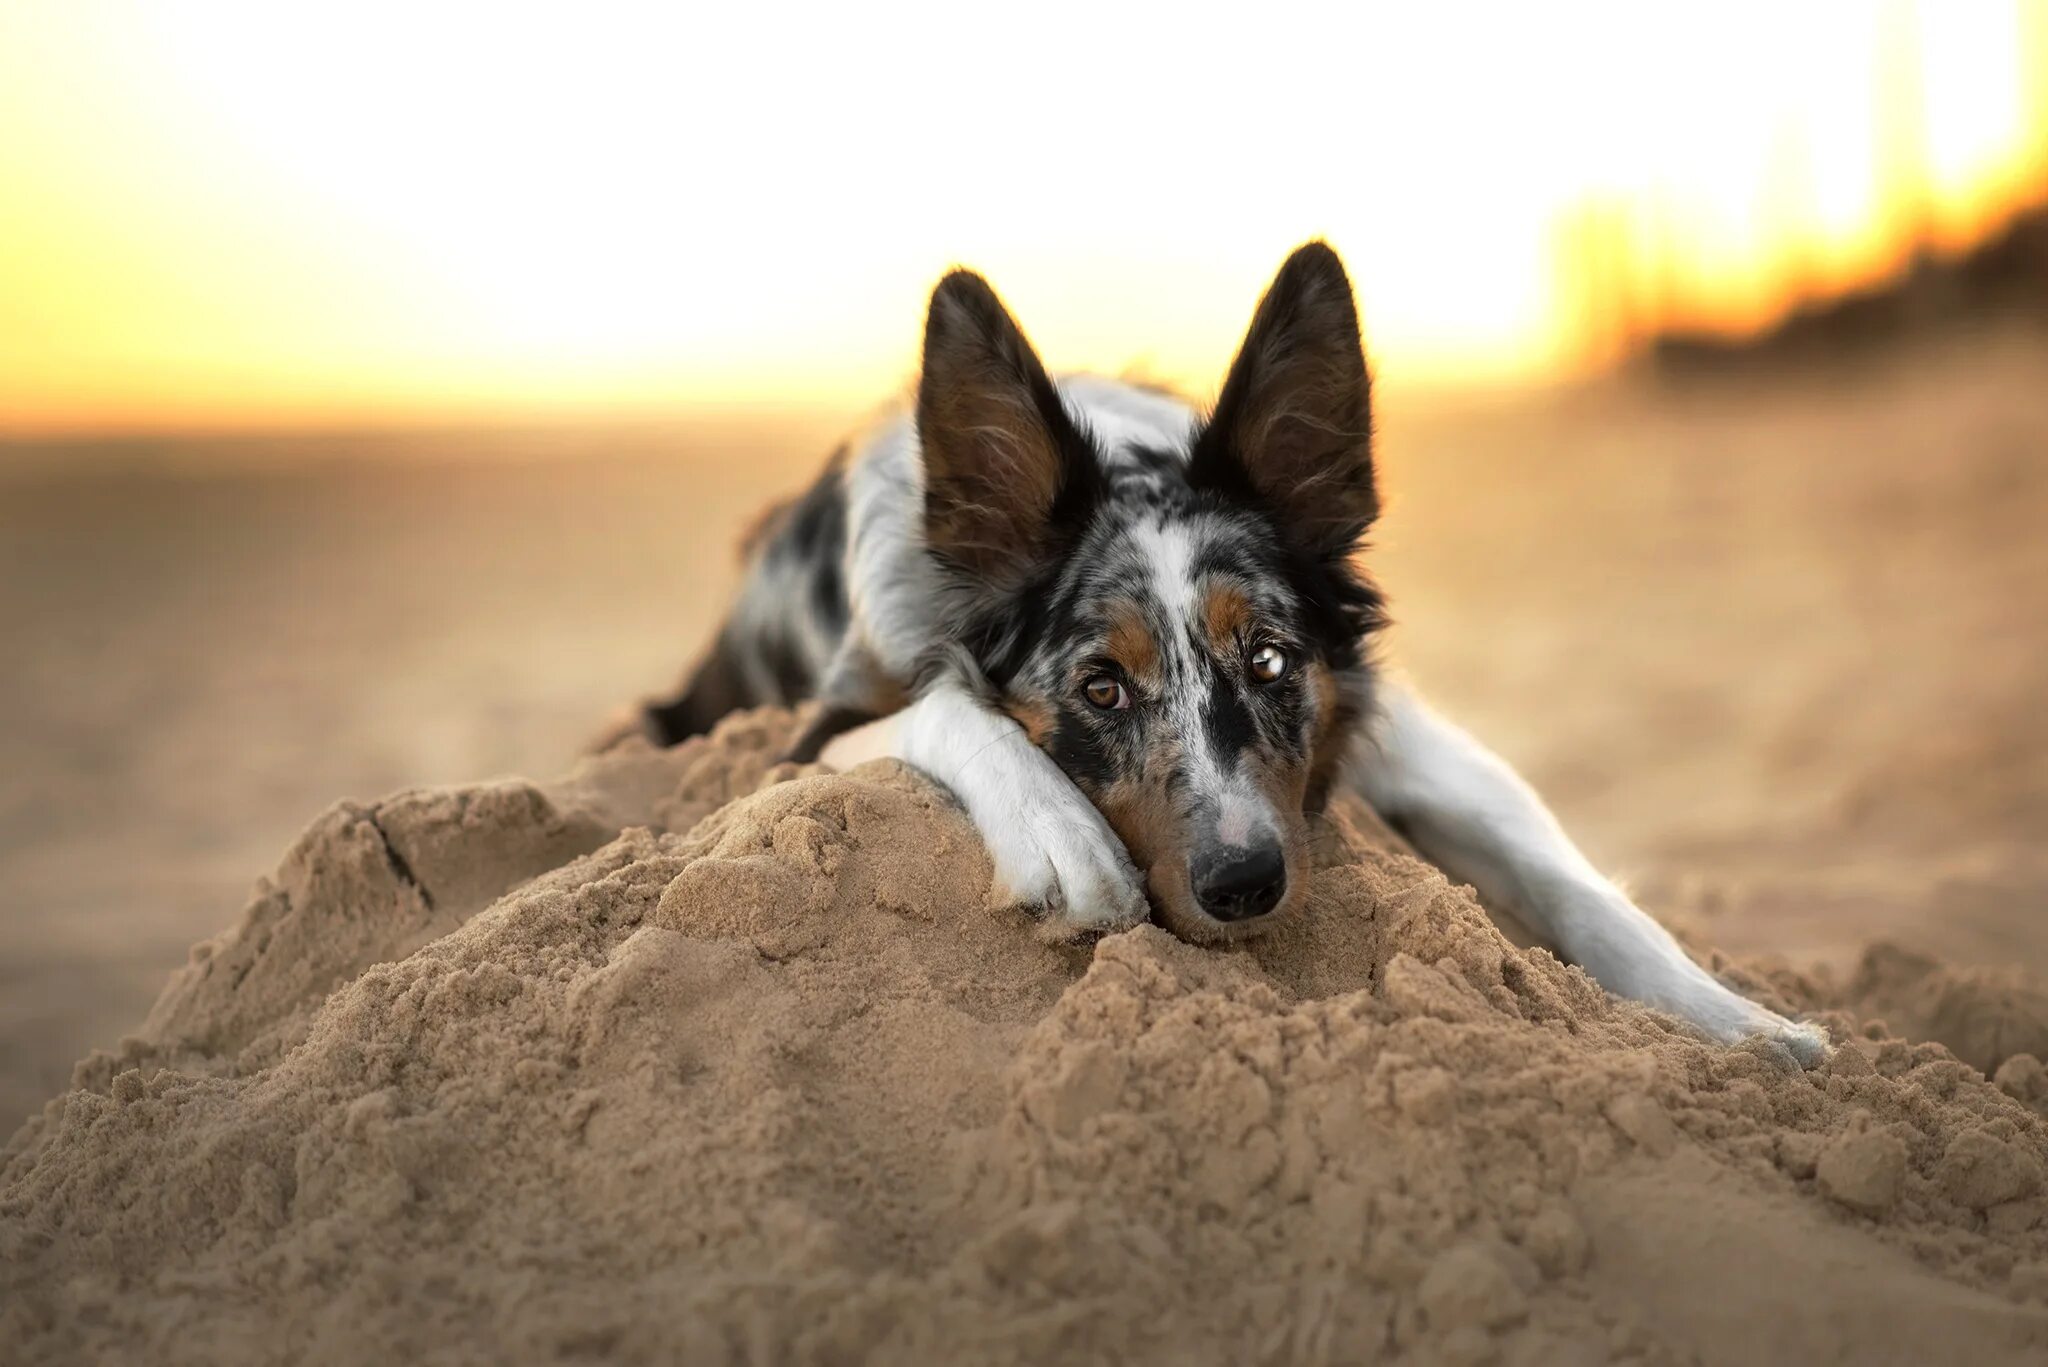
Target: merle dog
[{"x": 1133, "y": 640}]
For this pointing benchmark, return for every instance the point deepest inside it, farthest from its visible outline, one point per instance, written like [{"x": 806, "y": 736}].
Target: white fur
[
  {"x": 1051, "y": 849},
  {"x": 1169, "y": 550},
  {"x": 891, "y": 583},
  {"x": 1470, "y": 814},
  {"x": 1237, "y": 820},
  {"x": 1121, "y": 416}
]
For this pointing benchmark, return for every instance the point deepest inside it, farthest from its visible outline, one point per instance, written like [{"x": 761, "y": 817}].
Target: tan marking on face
[
  {"x": 1330, "y": 735},
  {"x": 1035, "y": 715},
  {"x": 1140, "y": 809},
  {"x": 1144, "y": 819},
  {"x": 1157, "y": 839},
  {"x": 1228, "y": 615},
  {"x": 1130, "y": 644}
]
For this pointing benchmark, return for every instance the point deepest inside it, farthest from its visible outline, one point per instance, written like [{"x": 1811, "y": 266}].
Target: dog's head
[{"x": 1181, "y": 629}]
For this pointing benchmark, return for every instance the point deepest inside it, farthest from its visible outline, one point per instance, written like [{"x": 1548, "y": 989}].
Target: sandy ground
[{"x": 751, "y": 1071}]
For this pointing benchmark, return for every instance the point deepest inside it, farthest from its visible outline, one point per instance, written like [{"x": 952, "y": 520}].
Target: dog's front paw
[
  {"x": 1730, "y": 1018},
  {"x": 1060, "y": 861},
  {"x": 1636, "y": 958},
  {"x": 1808, "y": 1044}
]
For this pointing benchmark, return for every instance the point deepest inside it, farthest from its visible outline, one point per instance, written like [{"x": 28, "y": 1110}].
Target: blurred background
[{"x": 383, "y": 387}]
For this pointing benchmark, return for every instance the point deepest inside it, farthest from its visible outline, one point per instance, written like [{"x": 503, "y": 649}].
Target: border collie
[{"x": 1133, "y": 640}]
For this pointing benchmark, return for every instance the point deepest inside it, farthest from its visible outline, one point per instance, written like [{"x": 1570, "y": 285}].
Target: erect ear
[
  {"x": 1293, "y": 426},
  {"x": 1006, "y": 470}
]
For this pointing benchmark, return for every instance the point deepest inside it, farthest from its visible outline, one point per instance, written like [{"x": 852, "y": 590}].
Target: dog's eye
[
  {"x": 1269, "y": 663},
  {"x": 1106, "y": 694}
]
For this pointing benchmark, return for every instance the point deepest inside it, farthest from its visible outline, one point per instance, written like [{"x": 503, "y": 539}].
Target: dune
[{"x": 697, "y": 1056}]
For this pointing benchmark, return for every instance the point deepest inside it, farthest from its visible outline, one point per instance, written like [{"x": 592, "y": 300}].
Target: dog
[{"x": 1134, "y": 641}]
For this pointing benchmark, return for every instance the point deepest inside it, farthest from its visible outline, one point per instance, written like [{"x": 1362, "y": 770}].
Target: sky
[{"x": 220, "y": 215}]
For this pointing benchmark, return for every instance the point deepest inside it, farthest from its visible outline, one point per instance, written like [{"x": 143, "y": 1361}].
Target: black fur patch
[
  {"x": 816, "y": 538},
  {"x": 716, "y": 687},
  {"x": 1232, "y": 729}
]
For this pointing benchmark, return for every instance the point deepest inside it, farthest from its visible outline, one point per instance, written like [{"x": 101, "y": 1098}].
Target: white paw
[
  {"x": 1055, "y": 856},
  {"x": 1688, "y": 991},
  {"x": 1808, "y": 1044}
]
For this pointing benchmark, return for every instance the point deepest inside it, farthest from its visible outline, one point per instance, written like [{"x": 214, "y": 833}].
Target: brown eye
[
  {"x": 1269, "y": 663},
  {"x": 1106, "y": 694}
]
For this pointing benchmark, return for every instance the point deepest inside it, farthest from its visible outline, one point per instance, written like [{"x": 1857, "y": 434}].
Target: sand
[{"x": 696, "y": 1056}]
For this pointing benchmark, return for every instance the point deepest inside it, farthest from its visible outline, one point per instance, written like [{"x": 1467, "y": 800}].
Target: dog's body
[{"x": 1119, "y": 630}]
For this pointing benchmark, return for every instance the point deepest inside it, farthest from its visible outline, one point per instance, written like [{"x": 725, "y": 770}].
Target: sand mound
[{"x": 480, "y": 1078}]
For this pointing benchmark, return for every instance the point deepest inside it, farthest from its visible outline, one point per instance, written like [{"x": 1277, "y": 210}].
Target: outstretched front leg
[
  {"x": 1467, "y": 812},
  {"x": 1053, "y": 852}
]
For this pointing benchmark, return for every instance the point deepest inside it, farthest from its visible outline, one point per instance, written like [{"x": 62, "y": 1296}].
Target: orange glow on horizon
[
  {"x": 242, "y": 215},
  {"x": 1951, "y": 141}
]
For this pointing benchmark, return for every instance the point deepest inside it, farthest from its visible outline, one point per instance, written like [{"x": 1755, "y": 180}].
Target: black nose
[{"x": 1238, "y": 884}]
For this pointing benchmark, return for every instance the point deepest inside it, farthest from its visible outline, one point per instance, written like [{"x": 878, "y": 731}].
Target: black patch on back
[
  {"x": 828, "y": 595},
  {"x": 792, "y": 675},
  {"x": 1154, "y": 460},
  {"x": 816, "y": 535}
]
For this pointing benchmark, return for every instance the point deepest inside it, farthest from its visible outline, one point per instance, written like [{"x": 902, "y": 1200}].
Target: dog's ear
[
  {"x": 1006, "y": 469},
  {"x": 1292, "y": 428}
]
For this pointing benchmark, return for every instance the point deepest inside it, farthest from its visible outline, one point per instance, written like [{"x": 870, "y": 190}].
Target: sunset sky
[{"x": 237, "y": 215}]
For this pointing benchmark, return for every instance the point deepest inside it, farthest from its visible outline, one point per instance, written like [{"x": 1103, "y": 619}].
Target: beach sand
[
  {"x": 762, "y": 1078},
  {"x": 747, "y": 1069}
]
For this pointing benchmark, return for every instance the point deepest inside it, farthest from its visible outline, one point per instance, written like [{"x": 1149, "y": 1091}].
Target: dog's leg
[
  {"x": 1470, "y": 814},
  {"x": 856, "y": 692},
  {"x": 1053, "y": 852}
]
